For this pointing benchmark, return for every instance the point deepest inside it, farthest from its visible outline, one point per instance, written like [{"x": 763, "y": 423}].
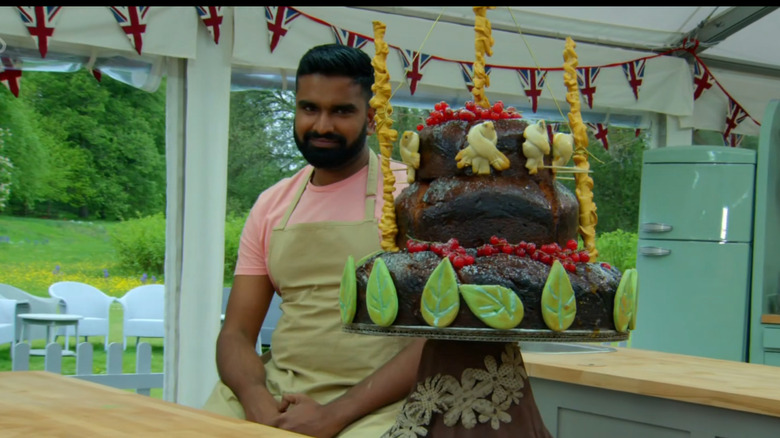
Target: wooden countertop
[
  {"x": 727, "y": 384},
  {"x": 39, "y": 403}
]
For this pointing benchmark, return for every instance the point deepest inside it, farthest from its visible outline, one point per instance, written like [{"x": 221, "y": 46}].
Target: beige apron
[{"x": 311, "y": 353}]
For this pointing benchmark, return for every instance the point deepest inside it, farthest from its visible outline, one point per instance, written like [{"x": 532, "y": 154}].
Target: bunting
[
  {"x": 211, "y": 16},
  {"x": 533, "y": 82},
  {"x": 702, "y": 79},
  {"x": 734, "y": 140},
  {"x": 586, "y": 79},
  {"x": 467, "y": 71},
  {"x": 278, "y": 19},
  {"x": 414, "y": 63},
  {"x": 350, "y": 39},
  {"x": 736, "y": 115},
  {"x": 132, "y": 20},
  {"x": 635, "y": 72},
  {"x": 10, "y": 75},
  {"x": 600, "y": 131},
  {"x": 40, "y": 21}
]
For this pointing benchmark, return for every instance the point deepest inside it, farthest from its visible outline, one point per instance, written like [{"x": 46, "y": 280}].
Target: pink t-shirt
[{"x": 340, "y": 201}]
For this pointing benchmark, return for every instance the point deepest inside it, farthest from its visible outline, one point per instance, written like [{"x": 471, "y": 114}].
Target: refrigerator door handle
[
  {"x": 655, "y": 227},
  {"x": 654, "y": 251}
]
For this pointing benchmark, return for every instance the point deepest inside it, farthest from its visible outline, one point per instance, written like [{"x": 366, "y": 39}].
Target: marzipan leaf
[
  {"x": 440, "y": 299},
  {"x": 497, "y": 306},
  {"x": 348, "y": 292},
  {"x": 381, "y": 298},
  {"x": 368, "y": 257},
  {"x": 559, "y": 305},
  {"x": 625, "y": 301}
]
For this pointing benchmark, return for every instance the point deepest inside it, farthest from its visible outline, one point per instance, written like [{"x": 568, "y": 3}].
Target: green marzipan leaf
[
  {"x": 559, "y": 305},
  {"x": 635, "y": 282},
  {"x": 625, "y": 301},
  {"x": 348, "y": 292},
  {"x": 497, "y": 306},
  {"x": 381, "y": 298},
  {"x": 440, "y": 299}
]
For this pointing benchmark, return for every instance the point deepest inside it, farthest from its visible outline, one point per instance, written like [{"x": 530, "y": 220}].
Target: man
[{"x": 318, "y": 380}]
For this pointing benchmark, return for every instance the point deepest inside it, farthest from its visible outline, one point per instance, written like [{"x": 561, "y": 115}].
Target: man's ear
[{"x": 371, "y": 123}]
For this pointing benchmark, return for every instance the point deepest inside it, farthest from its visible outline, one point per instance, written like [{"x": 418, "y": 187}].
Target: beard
[{"x": 330, "y": 158}]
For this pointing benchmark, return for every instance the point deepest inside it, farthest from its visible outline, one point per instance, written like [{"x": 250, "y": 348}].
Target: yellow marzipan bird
[
  {"x": 481, "y": 151},
  {"x": 562, "y": 148},
  {"x": 535, "y": 146},
  {"x": 409, "y": 145}
]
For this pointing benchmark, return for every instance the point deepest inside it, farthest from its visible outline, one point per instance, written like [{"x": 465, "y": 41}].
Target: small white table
[{"x": 51, "y": 321}]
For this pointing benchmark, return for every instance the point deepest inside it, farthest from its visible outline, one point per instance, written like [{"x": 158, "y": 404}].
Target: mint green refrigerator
[{"x": 694, "y": 251}]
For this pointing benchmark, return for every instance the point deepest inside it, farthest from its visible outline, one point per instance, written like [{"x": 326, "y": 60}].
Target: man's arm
[
  {"x": 390, "y": 383},
  {"x": 238, "y": 363}
]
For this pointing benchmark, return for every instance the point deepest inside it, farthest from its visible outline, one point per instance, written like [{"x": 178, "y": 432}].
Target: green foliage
[
  {"x": 616, "y": 177},
  {"x": 5, "y": 172},
  {"x": 233, "y": 227},
  {"x": 140, "y": 244},
  {"x": 618, "y": 248},
  {"x": 261, "y": 150},
  {"x": 83, "y": 148}
]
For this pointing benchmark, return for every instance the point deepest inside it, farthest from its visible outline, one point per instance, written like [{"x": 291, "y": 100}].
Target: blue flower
[
  {"x": 105, "y": 273},
  {"x": 143, "y": 278}
]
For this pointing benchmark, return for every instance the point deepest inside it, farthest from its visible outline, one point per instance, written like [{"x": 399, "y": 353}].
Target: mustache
[{"x": 311, "y": 135}]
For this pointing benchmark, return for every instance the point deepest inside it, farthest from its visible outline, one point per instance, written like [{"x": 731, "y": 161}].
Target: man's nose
[{"x": 324, "y": 123}]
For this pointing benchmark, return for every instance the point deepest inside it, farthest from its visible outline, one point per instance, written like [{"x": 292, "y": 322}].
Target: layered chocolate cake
[{"x": 488, "y": 243}]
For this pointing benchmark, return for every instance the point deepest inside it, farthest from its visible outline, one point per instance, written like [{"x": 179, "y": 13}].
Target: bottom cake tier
[{"x": 500, "y": 297}]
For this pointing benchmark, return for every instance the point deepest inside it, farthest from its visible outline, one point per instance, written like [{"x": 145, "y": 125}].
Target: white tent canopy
[{"x": 734, "y": 45}]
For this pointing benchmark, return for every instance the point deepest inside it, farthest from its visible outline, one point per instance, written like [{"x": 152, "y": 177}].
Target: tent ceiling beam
[{"x": 717, "y": 29}]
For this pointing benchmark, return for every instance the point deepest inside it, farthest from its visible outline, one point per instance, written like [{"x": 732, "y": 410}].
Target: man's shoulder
[{"x": 283, "y": 186}]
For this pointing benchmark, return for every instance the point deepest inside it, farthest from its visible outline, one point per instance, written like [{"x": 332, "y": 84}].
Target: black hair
[{"x": 338, "y": 60}]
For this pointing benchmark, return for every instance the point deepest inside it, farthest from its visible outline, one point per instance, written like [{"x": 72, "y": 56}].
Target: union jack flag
[
  {"x": 733, "y": 140},
  {"x": 212, "y": 18},
  {"x": 701, "y": 79},
  {"x": 533, "y": 81},
  {"x": 467, "y": 70},
  {"x": 586, "y": 79},
  {"x": 10, "y": 75},
  {"x": 350, "y": 39},
  {"x": 414, "y": 62},
  {"x": 635, "y": 72},
  {"x": 736, "y": 115},
  {"x": 132, "y": 20},
  {"x": 600, "y": 132},
  {"x": 39, "y": 21},
  {"x": 278, "y": 19}
]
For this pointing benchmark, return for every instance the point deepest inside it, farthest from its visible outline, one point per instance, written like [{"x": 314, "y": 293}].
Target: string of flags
[{"x": 41, "y": 21}]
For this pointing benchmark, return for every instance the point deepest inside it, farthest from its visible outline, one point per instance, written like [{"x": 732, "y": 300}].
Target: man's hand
[
  {"x": 301, "y": 414},
  {"x": 260, "y": 407}
]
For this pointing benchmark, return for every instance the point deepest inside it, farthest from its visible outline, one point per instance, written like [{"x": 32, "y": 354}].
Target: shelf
[{"x": 770, "y": 319}]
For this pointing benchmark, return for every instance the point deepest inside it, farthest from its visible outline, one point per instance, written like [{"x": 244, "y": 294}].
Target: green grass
[{"x": 35, "y": 253}]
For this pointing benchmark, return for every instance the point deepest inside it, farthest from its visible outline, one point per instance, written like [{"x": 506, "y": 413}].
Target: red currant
[
  {"x": 571, "y": 244},
  {"x": 584, "y": 256}
]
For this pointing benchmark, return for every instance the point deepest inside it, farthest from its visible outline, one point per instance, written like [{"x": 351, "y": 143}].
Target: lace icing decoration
[{"x": 481, "y": 396}]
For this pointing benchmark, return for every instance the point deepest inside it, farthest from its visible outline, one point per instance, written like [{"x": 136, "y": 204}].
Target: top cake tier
[{"x": 446, "y": 201}]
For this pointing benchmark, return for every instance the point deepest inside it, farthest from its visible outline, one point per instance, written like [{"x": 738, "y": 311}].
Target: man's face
[{"x": 332, "y": 120}]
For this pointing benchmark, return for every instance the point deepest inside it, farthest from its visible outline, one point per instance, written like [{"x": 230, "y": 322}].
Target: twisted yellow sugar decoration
[
  {"x": 584, "y": 182},
  {"x": 385, "y": 135},
  {"x": 483, "y": 44}
]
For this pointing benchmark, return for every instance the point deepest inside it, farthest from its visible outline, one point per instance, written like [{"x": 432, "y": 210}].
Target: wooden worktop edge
[{"x": 612, "y": 371}]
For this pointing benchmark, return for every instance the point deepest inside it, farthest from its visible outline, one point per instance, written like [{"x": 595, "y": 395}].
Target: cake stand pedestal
[{"x": 473, "y": 382}]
